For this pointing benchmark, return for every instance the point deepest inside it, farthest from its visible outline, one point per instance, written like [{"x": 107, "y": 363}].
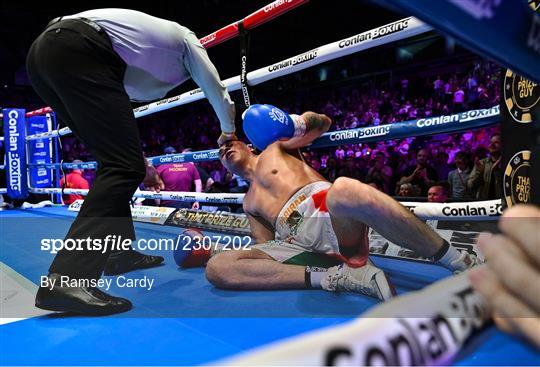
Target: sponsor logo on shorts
[
  {"x": 520, "y": 96},
  {"x": 517, "y": 179},
  {"x": 307, "y": 56},
  {"x": 479, "y": 9},
  {"x": 291, "y": 208}
]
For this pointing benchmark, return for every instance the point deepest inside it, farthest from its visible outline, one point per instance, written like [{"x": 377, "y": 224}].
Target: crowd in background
[{"x": 444, "y": 167}]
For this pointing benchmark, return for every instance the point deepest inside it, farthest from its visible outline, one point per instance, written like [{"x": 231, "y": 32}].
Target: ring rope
[
  {"x": 163, "y": 195},
  {"x": 401, "y": 29},
  {"x": 474, "y": 210},
  {"x": 425, "y": 126},
  {"x": 404, "y": 331},
  {"x": 255, "y": 19}
]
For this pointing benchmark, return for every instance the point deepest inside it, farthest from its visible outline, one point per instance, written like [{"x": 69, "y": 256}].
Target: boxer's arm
[
  {"x": 260, "y": 229},
  {"x": 315, "y": 125}
]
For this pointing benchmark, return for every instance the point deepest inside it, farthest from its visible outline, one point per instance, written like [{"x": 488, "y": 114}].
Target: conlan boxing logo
[
  {"x": 382, "y": 31},
  {"x": 299, "y": 59},
  {"x": 15, "y": 171},
  {"x": 360, "y": 133},
  {"x": 416, "y": 341}
]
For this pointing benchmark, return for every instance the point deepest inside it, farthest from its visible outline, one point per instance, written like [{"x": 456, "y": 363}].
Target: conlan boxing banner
[
  {"x": 14, "y": 135},
  {"x": 39, "y": 151}
]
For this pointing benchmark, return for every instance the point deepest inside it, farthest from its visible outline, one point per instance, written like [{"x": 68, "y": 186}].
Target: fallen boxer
[{"x": 310, "y": 233}]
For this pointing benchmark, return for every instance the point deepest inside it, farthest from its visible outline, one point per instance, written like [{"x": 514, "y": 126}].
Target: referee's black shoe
[{"x": 126, "y": 261}]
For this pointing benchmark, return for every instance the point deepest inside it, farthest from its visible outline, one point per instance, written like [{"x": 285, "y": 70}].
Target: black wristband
[{"x": 442, "y": 251}]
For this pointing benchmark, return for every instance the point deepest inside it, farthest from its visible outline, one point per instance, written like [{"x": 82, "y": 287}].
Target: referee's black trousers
[{"x": 75, "y": 70}]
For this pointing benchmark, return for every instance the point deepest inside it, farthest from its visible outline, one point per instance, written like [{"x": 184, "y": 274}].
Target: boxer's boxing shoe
[
  {"x": 80, "y": 300},
  {"x": 126, "y": 261},
  {"x": 464, "y": 261},
  {"x": 368, "y": 280}
]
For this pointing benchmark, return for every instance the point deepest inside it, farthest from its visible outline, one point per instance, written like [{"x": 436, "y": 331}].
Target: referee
[{"x": 88, "y": 67}]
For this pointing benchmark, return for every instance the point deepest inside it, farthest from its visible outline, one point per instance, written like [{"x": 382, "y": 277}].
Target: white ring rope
[
  {"x": 163, "y": 195},
  {"x": 422, "y": 328},
  {"x": 401, "y": 29},
  {"x": 474, "y": 210}
]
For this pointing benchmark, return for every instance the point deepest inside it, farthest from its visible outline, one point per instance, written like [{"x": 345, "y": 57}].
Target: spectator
[
  {"x": 406, "y": 190},
  {"x": 440, "y": 165},
  {"x": 179, "y": 177},
  {"x": 486, "y": 176},
  {"x": 376, "y": 184},
  {"x": 74, "y": 180},
  {"x": 238, "y": 185},
  {"x": 458, "y": 178},
  {"x": 206, "y": 180},
  {"x": 330, "y": 171},
  {"x": 459, "y": 100},
  {"x": 438, "y": 85},
  {"x": 421, "y": 175},
  {"x": 438, "y": 193},
  {"x": 380, "y": 172},
  {"x": 350, "y": 170},
  {"x": 340, "y": 153}
]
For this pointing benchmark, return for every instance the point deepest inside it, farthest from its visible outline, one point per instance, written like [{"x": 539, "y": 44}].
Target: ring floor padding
[{"x": 183, "y": 320}]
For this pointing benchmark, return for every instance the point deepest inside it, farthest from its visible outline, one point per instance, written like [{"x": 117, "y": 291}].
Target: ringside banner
[
  {"x": 14, "y": 135},
  {"x": 425, "y": 126},
  {"x": 39, "y": 151}
]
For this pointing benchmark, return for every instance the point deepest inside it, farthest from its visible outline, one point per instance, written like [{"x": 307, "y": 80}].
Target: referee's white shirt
[{"x": 160, "y": 55}]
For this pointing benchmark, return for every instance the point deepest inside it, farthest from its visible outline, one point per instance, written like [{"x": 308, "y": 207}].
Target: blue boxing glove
[{"x": 264, "y": 124}]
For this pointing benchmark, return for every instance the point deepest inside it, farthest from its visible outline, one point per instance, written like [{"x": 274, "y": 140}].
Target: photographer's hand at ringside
[{"x": 509, "y": 281}]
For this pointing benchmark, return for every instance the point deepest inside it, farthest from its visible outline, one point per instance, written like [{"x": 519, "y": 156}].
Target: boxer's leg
[
  {"x": 351, "y": 200},
  {"x": 253, "y": 269}
]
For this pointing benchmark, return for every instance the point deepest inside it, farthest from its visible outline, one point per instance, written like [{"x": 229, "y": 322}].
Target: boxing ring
[{"x": 183, "y": 319}]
